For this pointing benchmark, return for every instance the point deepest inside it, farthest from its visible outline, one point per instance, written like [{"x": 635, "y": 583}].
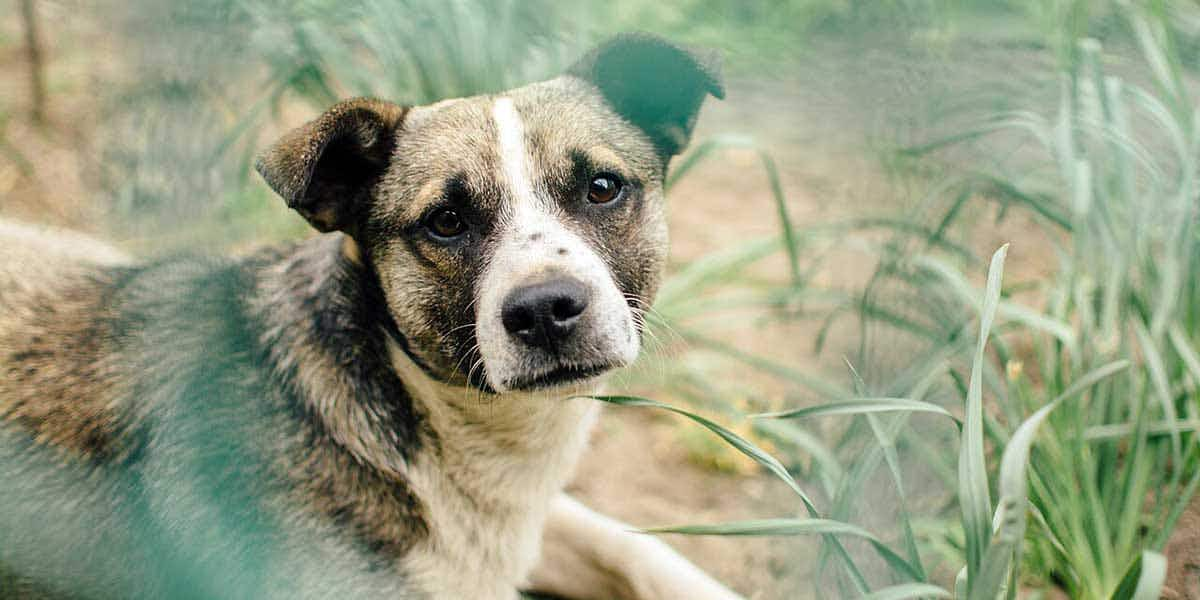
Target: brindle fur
[{"x": 314, "y": 420}]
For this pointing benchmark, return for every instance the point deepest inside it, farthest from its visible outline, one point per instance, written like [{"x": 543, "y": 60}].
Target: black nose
[{"x": 544, "y": 314}]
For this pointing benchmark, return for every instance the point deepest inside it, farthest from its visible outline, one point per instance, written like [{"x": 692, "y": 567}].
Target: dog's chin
[{"x": 559, "y": 377}]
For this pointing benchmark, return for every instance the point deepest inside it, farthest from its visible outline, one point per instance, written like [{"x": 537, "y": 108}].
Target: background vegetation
[{"x": 943, "y": 425}]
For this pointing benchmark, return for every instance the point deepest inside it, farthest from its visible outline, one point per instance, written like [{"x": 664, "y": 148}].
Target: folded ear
[
  {"x": 325, "y": 168},
  {"x": 653, "y": 83}
]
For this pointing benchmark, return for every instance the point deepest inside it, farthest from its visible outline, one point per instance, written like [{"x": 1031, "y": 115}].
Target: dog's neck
[
  {"x": 323, "y": 335},
  {"x": 499, "y": 462},
  {"x": 540, "y": 431}
]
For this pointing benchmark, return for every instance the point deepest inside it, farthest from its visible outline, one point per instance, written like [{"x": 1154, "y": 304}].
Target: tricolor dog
[{"x": 382, "y": 411}]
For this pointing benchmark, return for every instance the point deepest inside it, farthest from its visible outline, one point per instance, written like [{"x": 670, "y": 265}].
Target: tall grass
[
  {"x": 1104, "y": 358},
  {"x": 993, "y": 538},
  {"x": 1118, "y": 470}
]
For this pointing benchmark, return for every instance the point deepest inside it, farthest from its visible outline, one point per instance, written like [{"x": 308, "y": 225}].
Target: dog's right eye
[{"x": 445, "y": 224}]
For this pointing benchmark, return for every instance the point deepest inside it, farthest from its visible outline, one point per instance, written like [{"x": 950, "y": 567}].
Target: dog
[{"x": 388, "y": 409}]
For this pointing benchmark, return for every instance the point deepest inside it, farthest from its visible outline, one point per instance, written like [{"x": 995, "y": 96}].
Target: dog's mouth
[{"x": 558, "y": 376}]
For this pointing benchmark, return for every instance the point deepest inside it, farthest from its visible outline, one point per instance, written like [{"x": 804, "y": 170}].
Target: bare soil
[
  {"x": 1183, "y": 556},
  {"x": 636, "y": 472}
]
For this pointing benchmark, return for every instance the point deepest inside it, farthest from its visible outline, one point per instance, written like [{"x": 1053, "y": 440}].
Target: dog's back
[
  {"x": 55, "y": 300},
  {"x": 55, "y": 406},
  {"x": 147, "y": 449}
]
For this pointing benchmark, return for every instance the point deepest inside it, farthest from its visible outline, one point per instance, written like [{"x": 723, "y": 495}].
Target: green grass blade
[
  {"x": 908, "y": 591},
  {"x": 1010, "y": 311},
  {"x": 974, "y": 496},
  {"x": 831, "y": 470},
  {"x": 791, "y": 244},
  {"x": 1144, "y": 579},
  {"x": 1155, "y": 54},
  {"x": 886, "y": 440},
  {"x": 759, "y": 456},
  {"x": 1005, "y": 544},
  {"x": 708, "y": 147},
  {"x": 1158, "y": 377},
  {"x": 702, "y": 151},
  {"x": 815, "y": 384},
  {"x": 712, "y": 268},
  {"x": 885, "y": 437},
  {"x": 1191, "y": 360},
  {"x": 791, "y": 527},
  {"x": 1092, "y": 378},
  {"x": 1003, "y": 552},
  {"x": 1159, "y": 428},
  {"x": 1180, "y": 503},
  {"x": 738, "y": 442},
  {"x": 860, "y": 406}
]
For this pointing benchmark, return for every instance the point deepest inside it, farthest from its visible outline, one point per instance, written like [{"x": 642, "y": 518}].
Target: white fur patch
[{"x": 513, "y": 155}]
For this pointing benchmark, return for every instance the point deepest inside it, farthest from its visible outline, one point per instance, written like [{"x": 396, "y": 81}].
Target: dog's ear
[
  {"x": 325, "y": 168},
  {"x": 655, "y": 84}
]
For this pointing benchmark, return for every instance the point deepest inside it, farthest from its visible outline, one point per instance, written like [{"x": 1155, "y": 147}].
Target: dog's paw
[{"x": 657, "y": 572}]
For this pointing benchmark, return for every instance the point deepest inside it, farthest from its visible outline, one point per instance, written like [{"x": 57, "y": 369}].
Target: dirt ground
[
  {"x": 1183, "y": 555},
  {"x": 635, "y": 473},
  {"x": 818, "y": 119}
]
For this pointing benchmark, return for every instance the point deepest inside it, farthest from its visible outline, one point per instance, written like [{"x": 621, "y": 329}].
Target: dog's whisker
[{"x": 472, "y": 351}]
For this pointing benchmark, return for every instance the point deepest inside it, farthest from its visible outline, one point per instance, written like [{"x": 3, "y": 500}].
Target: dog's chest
[{"x": 487, "y": 488}]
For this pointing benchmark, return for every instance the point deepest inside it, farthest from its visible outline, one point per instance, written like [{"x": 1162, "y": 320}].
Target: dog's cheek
[
  {"x": 408, "y": 297},
  {"x": 455, "y": 317},
  {"x": 638, "y": 251},
  {"x": 424, "y": 300}
]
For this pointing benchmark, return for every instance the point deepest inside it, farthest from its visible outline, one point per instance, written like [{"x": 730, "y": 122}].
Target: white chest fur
[{"x": 487, "y": 487}]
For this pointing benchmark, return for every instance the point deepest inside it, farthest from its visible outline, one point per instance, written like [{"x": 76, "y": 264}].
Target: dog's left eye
[
  {"x": 445, "y": 223},
  {"x": 604, "y": 188}
]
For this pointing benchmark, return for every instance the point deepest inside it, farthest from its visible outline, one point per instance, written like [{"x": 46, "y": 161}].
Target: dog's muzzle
[
  {"x": 549, "y": 322},
  {"x": 549, "y": 311}
]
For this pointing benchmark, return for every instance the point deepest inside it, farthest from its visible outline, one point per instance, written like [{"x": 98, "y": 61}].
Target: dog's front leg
[{"x": 589, "y": 556}]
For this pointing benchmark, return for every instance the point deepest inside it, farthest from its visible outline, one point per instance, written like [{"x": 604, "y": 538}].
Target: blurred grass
[
  {"x": 226, "y": 69},
  {"x": 213, "y": 75}
]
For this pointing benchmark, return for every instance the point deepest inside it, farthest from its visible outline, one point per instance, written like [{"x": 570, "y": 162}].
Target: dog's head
[{"x": 516, "y": 236}]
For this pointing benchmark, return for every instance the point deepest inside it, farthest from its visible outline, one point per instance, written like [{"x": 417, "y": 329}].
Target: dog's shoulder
[
  {"x": 55, "y": 311},
  {"x": 264, "y": 377},
  {"x": 26, "y": 245},
  {"x": 90, "y": 338}
]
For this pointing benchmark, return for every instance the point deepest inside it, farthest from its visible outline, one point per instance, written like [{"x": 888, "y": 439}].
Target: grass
[
  {"x": 993, "y": 538},
  {"x": 1122, "y": 292},
  {"x": 1105, "y": 359}
]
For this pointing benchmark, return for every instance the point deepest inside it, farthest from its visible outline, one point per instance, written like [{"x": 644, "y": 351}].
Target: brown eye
[
  {"x": 603, "y": 189},
  {"x": 445, "y": 223}
]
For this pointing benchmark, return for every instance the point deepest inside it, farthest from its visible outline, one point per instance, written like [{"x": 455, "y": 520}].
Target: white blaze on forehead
[{"x": 513, "y": 155}]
